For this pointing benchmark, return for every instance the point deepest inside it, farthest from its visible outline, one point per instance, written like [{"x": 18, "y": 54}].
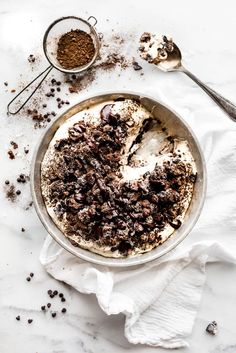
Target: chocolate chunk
[
  {"x": 11, "y": 154},
  {"x": 60, "y": 144},
  {"x": 145, "y": 37},
  {"x": 212, "y": 328},
  {"x": 124, "y": 246},
  {"x": 176, "y": 224},
  {"x": 136, "y": 66},
  {"x": 106, "y": 111}
]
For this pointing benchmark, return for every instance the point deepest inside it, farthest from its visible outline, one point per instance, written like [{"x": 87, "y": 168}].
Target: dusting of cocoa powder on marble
[
  {"x": 109, "y": 59},
  {"x": 10, "y": 192},
  {"x": 113, "y": 55}
]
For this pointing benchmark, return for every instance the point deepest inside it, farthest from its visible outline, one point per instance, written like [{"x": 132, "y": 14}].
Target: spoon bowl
[{"x": 173, "y": 61}]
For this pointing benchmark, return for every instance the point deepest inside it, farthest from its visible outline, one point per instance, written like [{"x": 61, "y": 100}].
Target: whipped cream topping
[{"x": 155, "y": 48}]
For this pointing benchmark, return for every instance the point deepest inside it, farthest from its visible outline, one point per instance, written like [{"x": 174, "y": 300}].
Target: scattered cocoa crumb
[
  {"x": 13, "y": 90},
  {"x": 136, "y": 66},
  {"x": 14, "y": 144},
  {"x": 11, "y": 154},
  {"x": 118, "y": 39},
  {"x": 39, "y": 118},
  {"x": 73, "y": 89},
  {"x": 22, "y": 178},
  {"x": 30, "y": 205},
  {"x": 212, "y": 328},
  {"x": 31, "y": 58},
  {"x": 84, "y": 80}
]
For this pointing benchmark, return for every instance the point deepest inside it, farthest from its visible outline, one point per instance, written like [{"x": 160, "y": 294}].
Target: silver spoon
[{"x": 174, "y": 63}]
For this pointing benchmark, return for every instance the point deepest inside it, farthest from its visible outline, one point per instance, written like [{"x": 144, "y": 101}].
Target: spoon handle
[{"x": 227, "y": 106}]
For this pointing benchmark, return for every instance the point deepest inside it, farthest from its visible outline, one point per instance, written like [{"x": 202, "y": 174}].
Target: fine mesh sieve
[{"x": 50, "y": 42}]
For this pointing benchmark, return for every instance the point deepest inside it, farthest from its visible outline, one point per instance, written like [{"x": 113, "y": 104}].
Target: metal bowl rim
[{"x": 96, "y": 258}]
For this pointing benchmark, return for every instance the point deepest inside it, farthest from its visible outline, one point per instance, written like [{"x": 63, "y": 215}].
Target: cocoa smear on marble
[
  {"x": 11, "y": 193},
  {"x": 109, "y": 59}
]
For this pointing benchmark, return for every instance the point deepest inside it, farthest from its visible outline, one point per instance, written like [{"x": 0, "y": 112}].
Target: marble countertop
[{"x": 205, "y": 31}]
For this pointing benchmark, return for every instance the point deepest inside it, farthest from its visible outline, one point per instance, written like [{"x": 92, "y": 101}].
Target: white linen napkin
[{"x": 160, "y": 299}]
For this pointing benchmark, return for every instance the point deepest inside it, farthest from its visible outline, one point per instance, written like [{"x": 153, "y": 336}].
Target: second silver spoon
[{"x": 173, "y": 62}]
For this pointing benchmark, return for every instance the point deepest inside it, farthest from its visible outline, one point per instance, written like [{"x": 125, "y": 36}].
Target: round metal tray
[{"x": 176, "y": 127}]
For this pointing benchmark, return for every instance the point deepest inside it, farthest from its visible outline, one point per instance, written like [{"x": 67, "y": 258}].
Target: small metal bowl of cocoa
[
  {"x": 175, "y": 126},
  {"x": 71, "y": 44}
]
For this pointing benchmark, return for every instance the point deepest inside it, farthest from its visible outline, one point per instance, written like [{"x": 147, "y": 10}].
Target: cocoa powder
[{"x": 75, "y": 49}]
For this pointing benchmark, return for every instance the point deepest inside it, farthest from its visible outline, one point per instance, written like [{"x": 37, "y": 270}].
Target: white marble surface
[{"x": 205, "y": 31}]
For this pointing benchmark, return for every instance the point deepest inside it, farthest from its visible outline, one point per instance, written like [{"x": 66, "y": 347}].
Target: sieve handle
[
  {"x": 46, "y": 72},
  {"x": 95, "y": 20}
]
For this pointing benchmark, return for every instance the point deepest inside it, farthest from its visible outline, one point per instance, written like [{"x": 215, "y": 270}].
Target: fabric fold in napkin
[{"x": 160, "y": 299}]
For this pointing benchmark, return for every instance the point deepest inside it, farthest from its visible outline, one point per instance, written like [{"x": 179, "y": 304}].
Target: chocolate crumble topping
[{"x": 86, "y": 191}]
